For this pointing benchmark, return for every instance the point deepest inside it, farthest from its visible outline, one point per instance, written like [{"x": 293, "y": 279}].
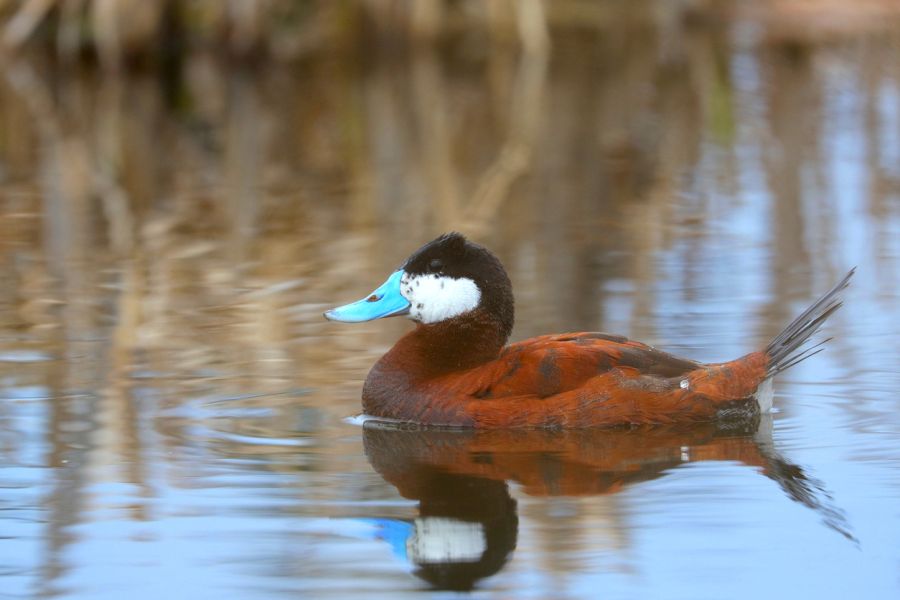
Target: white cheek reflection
[
  {"x": 435, "y": 298},
  {"x": 445, "y": 540}
]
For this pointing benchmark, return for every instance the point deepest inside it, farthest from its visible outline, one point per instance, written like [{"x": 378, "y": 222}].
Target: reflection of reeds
[
  {"x": 178, "y": 241},
  {"x": 237, "y": 213}
]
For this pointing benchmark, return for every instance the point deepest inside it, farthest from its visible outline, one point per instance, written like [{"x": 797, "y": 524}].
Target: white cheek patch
[{"x": 434, "y": 298}]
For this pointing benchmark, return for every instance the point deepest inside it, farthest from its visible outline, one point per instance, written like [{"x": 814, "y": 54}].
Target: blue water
[{"x": 173, "y": 408}]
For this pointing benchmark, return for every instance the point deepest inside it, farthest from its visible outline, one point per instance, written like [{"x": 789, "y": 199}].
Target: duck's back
[{"x": 578, "y": 380}]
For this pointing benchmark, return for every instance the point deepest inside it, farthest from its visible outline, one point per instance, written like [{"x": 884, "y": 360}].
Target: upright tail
[{"x": 788, "y": 349}]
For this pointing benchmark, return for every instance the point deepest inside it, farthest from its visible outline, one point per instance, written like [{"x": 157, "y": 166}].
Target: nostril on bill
[{"x": 373, "y": 298}]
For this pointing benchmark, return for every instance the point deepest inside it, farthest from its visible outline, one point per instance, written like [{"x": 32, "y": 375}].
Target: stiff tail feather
[{"x": 789, "y": 348}]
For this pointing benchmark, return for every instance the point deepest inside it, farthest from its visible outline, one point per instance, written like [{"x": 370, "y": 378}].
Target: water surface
[{"x": 172, "y": 404}]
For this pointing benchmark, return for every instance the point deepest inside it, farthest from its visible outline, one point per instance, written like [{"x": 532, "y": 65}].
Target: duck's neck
[{"x": 457, "y": 344}]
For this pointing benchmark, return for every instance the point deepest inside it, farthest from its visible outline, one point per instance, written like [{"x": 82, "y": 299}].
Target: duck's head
[{"x": 447, "y": 278}]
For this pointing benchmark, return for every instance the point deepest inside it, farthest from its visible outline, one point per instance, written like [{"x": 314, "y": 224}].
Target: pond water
[{"x": 173, "y": 407}]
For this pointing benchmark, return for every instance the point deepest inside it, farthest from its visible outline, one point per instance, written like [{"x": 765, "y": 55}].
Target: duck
[{"x": 455, "y": 368}]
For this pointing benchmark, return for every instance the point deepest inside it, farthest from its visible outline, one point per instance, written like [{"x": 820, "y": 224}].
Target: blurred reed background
[
  {"x": 192, "y": 182},
  {"x": 197, "y": 180},
  {"x": 186, "y": 185}
]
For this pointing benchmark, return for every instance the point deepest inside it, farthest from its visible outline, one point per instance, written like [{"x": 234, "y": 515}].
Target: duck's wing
[
  {"x": 553, "y": 364},
  {"x": 626, "y": 353}
]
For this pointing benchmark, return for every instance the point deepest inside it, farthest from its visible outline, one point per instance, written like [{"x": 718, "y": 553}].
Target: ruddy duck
[{"x": 455, "y": 369}]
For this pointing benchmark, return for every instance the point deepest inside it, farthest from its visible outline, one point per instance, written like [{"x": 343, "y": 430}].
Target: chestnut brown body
[{"x": 567, "y": 380}]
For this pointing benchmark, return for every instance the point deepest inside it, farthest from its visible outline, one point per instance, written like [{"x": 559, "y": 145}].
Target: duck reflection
[{"x": 467, "y": 524}]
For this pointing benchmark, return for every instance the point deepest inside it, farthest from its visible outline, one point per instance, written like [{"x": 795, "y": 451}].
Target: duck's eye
[{"x": 436, "y": 265}]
